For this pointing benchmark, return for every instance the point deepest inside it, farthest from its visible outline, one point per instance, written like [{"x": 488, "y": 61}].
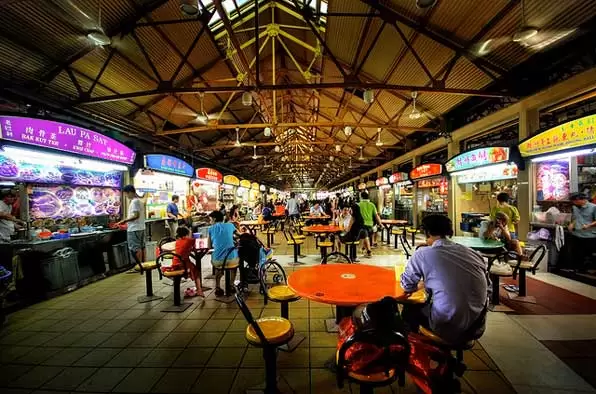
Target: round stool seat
[
  {"x": 147, "y": 266},
  {"x": 350, "y": 243},
  {"x": 295, "y": 242},
  {"x": 435, "y": 338},
  {"x": 282, "y": 293},
  {"x": 326, "y": 243},
  {"x": 299, "y": 236},
  {"x": 375, "y": 377},
  {"x": 172, "y": 274},
  {"x": 411, "y": 230},
  {"x": 396, "y": 231},
  {"x": 277, "y": 331}
]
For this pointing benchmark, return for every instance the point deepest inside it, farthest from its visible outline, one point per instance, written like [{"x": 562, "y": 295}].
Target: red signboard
[
  {"x": 382, "y": 181},
  {"x": 209, "y": 174},
  {"x": 426, "y": 171},
  {"x": 398, "y": 177}
]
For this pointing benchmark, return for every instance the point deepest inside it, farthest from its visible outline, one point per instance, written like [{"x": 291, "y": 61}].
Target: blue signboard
[{"x": 168, "y": 164}]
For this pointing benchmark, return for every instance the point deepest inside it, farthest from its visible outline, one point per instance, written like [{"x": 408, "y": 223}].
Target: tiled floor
[{"x": 99, "y": 339}]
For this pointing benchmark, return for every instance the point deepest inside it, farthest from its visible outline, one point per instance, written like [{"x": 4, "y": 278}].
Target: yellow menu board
[
  {"x": 231, "y": 180},
  {"x": 245, "y": 183}
]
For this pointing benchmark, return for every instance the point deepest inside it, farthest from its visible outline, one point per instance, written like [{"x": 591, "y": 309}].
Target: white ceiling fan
[
  {"x": 526, "y": 35},
  {"x": 213, "y": 118}
]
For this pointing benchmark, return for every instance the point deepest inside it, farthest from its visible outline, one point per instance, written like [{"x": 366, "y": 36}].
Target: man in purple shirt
[{"x": 456, "y": 277}]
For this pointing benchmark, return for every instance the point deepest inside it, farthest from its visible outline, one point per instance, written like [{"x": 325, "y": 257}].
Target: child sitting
[
  {"x": 499, "y": 230},
  {"x": 184, "y": 246},
  {"x": 221, "y": 240}
]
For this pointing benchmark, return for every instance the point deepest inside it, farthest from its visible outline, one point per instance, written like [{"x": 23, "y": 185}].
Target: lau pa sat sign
[
  {"x": 573, "y": 134},
  {"x": 426, "y": 171},
  {"x": 64, "y": 137},
  {"x": 169, "y": 164},
  {"x": 477, "y": 158}
]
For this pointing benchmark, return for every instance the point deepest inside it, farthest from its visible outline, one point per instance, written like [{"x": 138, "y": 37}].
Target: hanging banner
[
  {"x": 231, "y": 180},
  {"x": 477, "y": 158},
  {"x": 574, "y": 134},
  {"x": 168, "y": 164},
  {"x": 209, "y": 174},
  {"x": 65, "y": 138},
  {"x": 398, "y": 177},
  {"x": 426, "y": 171},
  {"x": 245, "y": 183},
  {"x": 382, "y": 181}
]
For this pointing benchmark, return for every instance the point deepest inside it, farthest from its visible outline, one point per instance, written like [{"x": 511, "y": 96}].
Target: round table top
[
  {"x": 320, "y": 228},
  {"x": 394, "y": 221},
  {"x": 169, "y": 246},
  {"x": 317, "y": 217},
  {"x": 478, "y": 243},
  {"x": 349, "y": 284},
  {"x": 252, "y": 222}
]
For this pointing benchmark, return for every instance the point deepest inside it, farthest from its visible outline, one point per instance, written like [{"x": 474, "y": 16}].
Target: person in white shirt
[
  {"x": 292, "y": 207},
  {"x": 7, "y": 220},
  {"x": 136, "y": 223},
  {"x": 316, "y": 210}
]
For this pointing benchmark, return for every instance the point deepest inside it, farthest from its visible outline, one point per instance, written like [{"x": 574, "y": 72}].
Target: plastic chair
[
  {"x": 521, "y": 267},
  {"x": 176, "y": 277},
  {"x": 394, "y": 362},
  {"x": 396, "y": 233},
  {"x": 351, "y": 249},
  {"x": 495, "y": 273},
  {"x": 295, "y": 243},
  {"x": 405, "y": 246},
  {"x": 337, "y": 257},
  {"x": 268, "y": 333},
  {"x": 163, "y": 241},
  {"x": 228, "y": 267},
  {"x": 412, "y": 231},
  {"x": 146, "y": 268}
]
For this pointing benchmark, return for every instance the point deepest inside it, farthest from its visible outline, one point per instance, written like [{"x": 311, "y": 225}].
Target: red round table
[
  {"x": 324, "y": 230},
  {"x": 389, "y": 224}
]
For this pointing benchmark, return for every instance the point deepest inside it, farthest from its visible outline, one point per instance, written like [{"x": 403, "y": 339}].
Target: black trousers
[
  {"x": 580, "y": 252},
  {"x": 416, "y": 315}
]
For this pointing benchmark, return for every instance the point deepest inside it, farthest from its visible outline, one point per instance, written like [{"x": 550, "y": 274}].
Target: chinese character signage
[
  {"x": 429, "y": 183},
  {"x": 65, "y": 138},
  {"x": 426, "y": 171},
  {"x": 574, "y": 134},
  {"x": 382, "y": 181},
  {"x": 209, "y": 174},
  {"x": 492, "y": 173},
  {"x": 254, "y": 186},
  {"x": 398, "y": 177},
  {"x": 245, "y": 183},
  {"x": 477, "y": 158},
  {"x": 168, "y": 164},
  {"x": 231, "y": 180}
]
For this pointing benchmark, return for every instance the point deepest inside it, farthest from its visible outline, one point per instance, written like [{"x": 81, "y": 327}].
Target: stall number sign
[
  {"x": 168, "y": 164},
  {"x": 209, "y": 174},
  {"x": 382, "y": 181},
  {"x": 426, "y": 170},
  {"x": 573, "y": 134},
  {"x": 477, "y": 158},
  {"x": 65, "y": 138}
]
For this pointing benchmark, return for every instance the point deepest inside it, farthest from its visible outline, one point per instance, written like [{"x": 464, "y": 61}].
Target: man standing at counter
[
  {"x": 136, "y": 223},
  {"x": 582, "y": 226},
  {"x": 7, "y": 220},
  {"x": 173, "y": 215}
]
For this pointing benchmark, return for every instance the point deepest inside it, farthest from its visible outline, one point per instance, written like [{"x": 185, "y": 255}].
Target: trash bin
[
  {"x": 61, "y": 270},
  {"x": 150, "y": 251},
  {"x": 119, "y": 256}
]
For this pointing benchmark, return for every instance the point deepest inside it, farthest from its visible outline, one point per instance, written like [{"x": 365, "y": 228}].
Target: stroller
[{"x": 252, "y": 253}]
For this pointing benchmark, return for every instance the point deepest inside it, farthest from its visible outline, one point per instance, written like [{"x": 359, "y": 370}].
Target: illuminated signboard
[
  {"x": 370, "y": 184},
  {"x": 398, "y": 177},
  {"x": 426, "y": 171},
  {"x": 231, "y": 180},
  {"x": 245, "y": 183},
  {"x": 254, "y": 186},
  {"x": 65, "y": 138},
  {"x": 492, "y": 173},
  {"x": 574, "y": 134},
  {"x": 477, "y": 158},
  {"x": 209, "y": 174},
  {"x": 168, "y": 164},
  {"x": 382, "y": 181},
  {"x": 361, "y": 186}
]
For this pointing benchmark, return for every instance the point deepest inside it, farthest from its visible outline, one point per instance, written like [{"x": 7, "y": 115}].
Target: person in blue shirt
[
  {"x": 221, "y": 240},
  {"x": 173, "y": 215},
  {"x": 457, "y": 280}
]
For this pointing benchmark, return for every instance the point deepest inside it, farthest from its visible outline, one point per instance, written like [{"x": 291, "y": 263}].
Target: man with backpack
[{"x": 371, "y": 220}]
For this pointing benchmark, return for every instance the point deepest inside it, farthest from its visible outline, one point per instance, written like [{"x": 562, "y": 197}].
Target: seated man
[
  {"x": 455, "y": 276},
  {"x": 499, "y": 230}
]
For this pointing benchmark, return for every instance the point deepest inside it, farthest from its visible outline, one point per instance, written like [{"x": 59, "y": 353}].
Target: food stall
[
  {"x": 431, "y": 190},
  {"x": 477, "y": 176},
  {"x": 403, "y": 193},
  {"x": 385, "y": 197},
  {"x": 205, "y": 191},
  {"x": 69, "y": 181},
  {"x": 563, "y": 161},
  {"x": 161, "y": 177},
  {"x": 242, "y": 193},
  {"x": 230, "y": 185}
]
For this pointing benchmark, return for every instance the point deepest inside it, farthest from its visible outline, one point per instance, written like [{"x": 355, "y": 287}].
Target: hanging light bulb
[
  {"x": 350, "y": 165},
  {"x": 368, "y": 96},
  {"x": 254, "y": 155},
  {"x": 379, "y": 142},
  {"x": 267, "y": 132},
  {"x": 361, "y": 157},
  {"x": 348, "y": 131},
  {"x": 247, "y": 99},
  {"x": 337, "y": 148},
  {"x": 312, "y": 149},
  {"x": 237, "y": 143},
  {"x": 277, "y": 148},
  {"x": 415, "y": 114},
  {"x": 331, "y": 158}
]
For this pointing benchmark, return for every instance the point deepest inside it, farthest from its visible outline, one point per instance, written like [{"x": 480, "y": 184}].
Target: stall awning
[
  {"x": 168, "y": 164},
  {"x": 209, "y": 174},
  {"x": 231, "y": 180},
  {"x": 426, "y": 171},
  {"x": 478, "y": 158}
]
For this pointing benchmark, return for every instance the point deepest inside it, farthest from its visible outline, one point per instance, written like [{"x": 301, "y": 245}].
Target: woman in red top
[{"x": 184, "y": 246}]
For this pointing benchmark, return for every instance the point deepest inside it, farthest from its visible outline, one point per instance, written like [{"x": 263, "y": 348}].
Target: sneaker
[
  {"x": 190, "y": 292},
  {"x": 368, "y": 254}
]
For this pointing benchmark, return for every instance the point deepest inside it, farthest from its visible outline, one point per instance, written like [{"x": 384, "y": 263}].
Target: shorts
[
  {"x": 513, "y": 235},
  {"x": 218, "y": 264},
  {"x": 136, "y": 240}
]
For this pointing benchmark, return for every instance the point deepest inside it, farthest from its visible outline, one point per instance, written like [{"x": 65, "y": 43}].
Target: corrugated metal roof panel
[
  {"x": 343, "y": 33},
  {"x": 18, "y": 64},
  {"x": 390, "y": 103},
  {"x": 466, "y": 75},
  {"x": 408, "y": 9},
  {"x": 384, "y": 53},
  {"x": 408, "y": 72}
]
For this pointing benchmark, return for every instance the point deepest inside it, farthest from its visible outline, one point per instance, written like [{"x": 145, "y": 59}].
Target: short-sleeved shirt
[
  {"x": 292, "y": 207},
  {"x": 368, "y": 211},
  {"x": 173, "y": 209},
  {"x": 6, "y": 226},
  {"x": 139, "y": 223},
  {"x": 222, "y": 239},
  {"x": 582, "y": 216},
  {"x": 511, "y": 212},
  {"x": 316, "y": 211}
]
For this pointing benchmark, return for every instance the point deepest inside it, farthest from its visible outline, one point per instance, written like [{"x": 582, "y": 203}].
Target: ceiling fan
[
  {"x": 526, "y": 35},
  {"x": 213, "y": 118}
]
